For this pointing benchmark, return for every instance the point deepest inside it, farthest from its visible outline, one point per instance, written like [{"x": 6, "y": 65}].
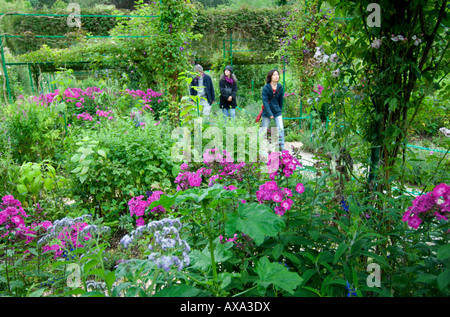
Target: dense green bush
[{"x": 116, "y": 160}]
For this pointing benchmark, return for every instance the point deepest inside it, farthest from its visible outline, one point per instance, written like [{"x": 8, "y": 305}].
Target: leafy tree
[{"x": 395, "y": 53}]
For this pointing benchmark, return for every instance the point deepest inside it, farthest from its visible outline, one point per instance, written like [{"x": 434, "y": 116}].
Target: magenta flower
[
  {"x": 277, "y": 197},
  {"x": 426, "y": 206},
  {"x": 300, "y": 188}
]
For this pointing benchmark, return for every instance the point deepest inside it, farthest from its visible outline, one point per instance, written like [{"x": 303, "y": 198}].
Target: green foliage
[
  {"x": 34, "y": 25},
  {"x": 35, "y": 179},
  {"x": 34, "y": 131},
  {"x": 257, "y": 30},
  {"x": 119, "y": 160}
]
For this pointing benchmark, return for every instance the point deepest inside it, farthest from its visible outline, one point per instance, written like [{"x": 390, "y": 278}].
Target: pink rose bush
[{"x": 434, "y": 204}]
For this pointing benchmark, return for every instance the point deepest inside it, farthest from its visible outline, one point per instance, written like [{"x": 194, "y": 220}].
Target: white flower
[
  {"x": 335, "y": 73},
  {"x": 397, "y": 38},
  {"x": 333, "y": 58},
  {"x": 417, "y": 41},
  {"x": 445, "y": 131},
  {"x": 377, "y": 43}
]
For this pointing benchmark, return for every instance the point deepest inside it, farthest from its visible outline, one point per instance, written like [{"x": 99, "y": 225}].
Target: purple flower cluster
[
  {"x": 222, "y": 165},
  {"x": 218, "y": 168},
  {"x": 270, "y": 192},
  {"x": 85, "y": 116},
  {"x": 282, "y": 163},
  {"x": 138, "y": 207},
  {"x": 147, "y": 97},
  {"x": 433, "y": 204},
  {"x": 188, "y": 179}
]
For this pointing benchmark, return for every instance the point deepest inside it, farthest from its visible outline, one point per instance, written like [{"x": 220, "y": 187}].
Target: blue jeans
[
  {"x": 265, "y": 121},
  {"x": 229, "y": 113}
]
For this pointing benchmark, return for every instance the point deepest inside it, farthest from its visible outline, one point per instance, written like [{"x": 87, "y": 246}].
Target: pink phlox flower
[{"x": 300, "y": 188}]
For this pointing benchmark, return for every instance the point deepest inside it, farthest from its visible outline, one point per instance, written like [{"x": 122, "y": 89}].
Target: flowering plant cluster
[
  {"x": 222, "y": 166},
  {"x": 148, "y": 97},
  {"x": 167, "y": 249},
  {"x": 376, "y": 43},
  {"x": 12, "y": 219},
  {"x": 282, "y": 163},
  {"x": 138, "y": 206},
  {"x": 218, "y": 167},
  {"x": 270, "y": 192},
  {"x": 72, "y": 95},
  {"x": 434, "y": 204},
  {"x": 65, "y": 235}
]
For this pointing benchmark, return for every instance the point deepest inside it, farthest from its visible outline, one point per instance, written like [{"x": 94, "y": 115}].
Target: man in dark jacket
[{"x": 205, "y": 90}]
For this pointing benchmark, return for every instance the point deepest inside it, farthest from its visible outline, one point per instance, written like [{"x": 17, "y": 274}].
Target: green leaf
[
  {"x": 84, "y": 170},
  {"x": 102, "y": 153},
  {"x": 443, "y": 252},
  {"x": 110, "y": 278},
  {"x": 179, "y": 291},
  {"x": 22, "y": 189},
  {"x": 443, "y": 279},
  {"x": 202, "y": 260},
  {"x": 175, "y": 170},
  {"x": 340, "y": 250},
  {"x": 277, "y": 275},
  {"x": 426, "y": 278},
  {"x": 48, "y": 184},
  {"x": 37, "y": 293},
  {"x": 276, "y": 251},
  {"x": 93, "y": 294},
  {"x": 255, "y": 220}
]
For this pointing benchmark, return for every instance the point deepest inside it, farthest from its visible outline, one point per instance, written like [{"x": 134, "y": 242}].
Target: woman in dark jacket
[
  {"x": 272, "y": 97},
  {"x": 228, "y": 90}
]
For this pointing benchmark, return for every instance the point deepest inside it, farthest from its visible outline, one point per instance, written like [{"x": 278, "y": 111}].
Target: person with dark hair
[
  {"x": 228, "y": 90},
  {"x": 205, "y": 89},
  {"x": 272, "y": 97}
]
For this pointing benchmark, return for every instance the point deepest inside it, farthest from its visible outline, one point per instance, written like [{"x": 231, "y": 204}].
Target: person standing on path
[
  {"x": 272, "y": 97},
  {"x": 205, "y": 90},
  {"x": 228, "y": 90}
]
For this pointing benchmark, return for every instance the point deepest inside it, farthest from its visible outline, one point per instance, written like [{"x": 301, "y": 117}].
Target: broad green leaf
[
  {"x": 443, "y": 279},
  {"x": 48, "y": 183},
  {"x": 426, "y": 278},
  {"x": 179, "y": 291},
  {"x": 37, "y": 293},
  {"x": 276, "y": 251},
  {"x": 22, "y": 189},
  {"x": 110, "y": 278},
  {"x": 443, "y": 252},
  {"x": 202, "y": 259},
  {"x": 102, "y": 153},
  {"x": 255, "y": 220},
  {"x": 277, "y": 275},
  {"x": 84, "y": 170}
]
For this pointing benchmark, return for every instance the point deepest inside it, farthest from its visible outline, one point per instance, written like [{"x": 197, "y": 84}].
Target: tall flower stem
[{"x": 212, "y": 246}]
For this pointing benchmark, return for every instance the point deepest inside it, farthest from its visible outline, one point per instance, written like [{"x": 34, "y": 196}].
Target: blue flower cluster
[
  {"x": 167, "y": 248},
  {"x": 93, "y": 230},
  {"x": 60, "y": 226},
  {"x": 351, "y": 290}
]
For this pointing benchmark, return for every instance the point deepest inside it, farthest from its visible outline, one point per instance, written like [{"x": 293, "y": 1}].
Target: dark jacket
[
  {"x": 275, "y": 106},
  {"x": 209, "y": 89},
  {"x": 225, "y": 89}
]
